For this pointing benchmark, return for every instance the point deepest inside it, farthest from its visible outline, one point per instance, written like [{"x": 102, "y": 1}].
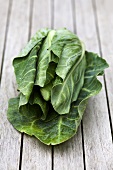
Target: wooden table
[{"x": 91, "y": 148}]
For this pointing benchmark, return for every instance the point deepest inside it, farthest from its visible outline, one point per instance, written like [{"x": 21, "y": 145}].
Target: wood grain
[
  {"x": 96, "y": 126},
  {"x": 105, "y": 26},
  {"x": 63, "y": 14},
  {"x": 10, "y": 139},
  {"x": 3, "y": 24},
  {"x": 41, "y": 15},
  {"x": 69, "y": 155},
  {"x": 37, "y": 156}
]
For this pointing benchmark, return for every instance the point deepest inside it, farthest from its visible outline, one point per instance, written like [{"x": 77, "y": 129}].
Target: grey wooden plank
[
  {"x": 16, "y": 38},
  {"x": 69, "y": 155},
  {"x": 96, "y": 126},
  {"x": 37, "y": 156},
  {"x": 41, "y": 15},
  {"x": 105, "y": 25},
  {"x": 63, "y": 14},
  {"x": 3, "y": 23}
]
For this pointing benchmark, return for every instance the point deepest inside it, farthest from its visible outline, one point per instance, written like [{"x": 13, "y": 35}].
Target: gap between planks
[{"x": 5, "y": 39}]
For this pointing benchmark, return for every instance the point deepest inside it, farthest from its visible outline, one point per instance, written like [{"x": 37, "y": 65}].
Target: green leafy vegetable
[{"x": 55, "y": 76}]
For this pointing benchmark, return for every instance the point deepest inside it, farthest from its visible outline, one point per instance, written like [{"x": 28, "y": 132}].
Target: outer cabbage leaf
[
  {"x": 68, "y": 48},
  {"x": 71, "y": 53},
  {"x": 25, "y": 65},
  {"x": 61, "y": 38},
  {"x": 25, "y": 70},
  {"x": 36, "y": 39},
  {"x": 64, "y": 92},
  {"x": 59, "y": 128}
]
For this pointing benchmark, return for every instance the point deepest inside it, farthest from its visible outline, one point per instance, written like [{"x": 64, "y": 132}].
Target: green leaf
[
  {"x": 71, "y": 53},
  {"x": 55, "y": 78},
  {"x": 46, "y": 91},
  {"x": 50, "y": 74},
  {"x": 36, "y": 98},
  {"x": 61, "y": 127},
  {"x": 35, "y": 40},
  {"x": 25, "y": 65},
  {"x": 54, "y": 58},
  {"x": 62, "y": 93},
  {"x": 61, "y": 38},
  {"x": 25, "y": 69},
  {"x": 44, "y": 60}
]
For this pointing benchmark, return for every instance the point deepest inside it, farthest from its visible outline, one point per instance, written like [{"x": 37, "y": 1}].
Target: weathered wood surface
[
  {"x": 3, "y": 25},
  {"x": 92, "y": 147},
  {"x": 104, "y": 13}
]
